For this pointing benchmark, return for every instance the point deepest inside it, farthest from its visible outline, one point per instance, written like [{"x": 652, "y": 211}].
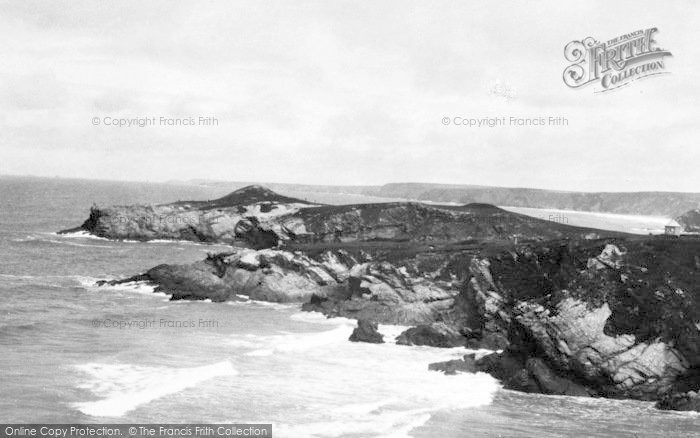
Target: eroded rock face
[
  {"x": 573, "y": 339},
  {"x": 465, "y": 365},
  {"x": 265, "y": 275},
  {"x": 381, "y": 292},
  {"x": 481, "y": 310},
  {"x": 590, "y": 319}
]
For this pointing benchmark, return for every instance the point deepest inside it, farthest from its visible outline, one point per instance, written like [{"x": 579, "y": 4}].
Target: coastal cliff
[
  {"x": 572, "y": 311},
  {"x": 256, "y": 217},
  {"x": 248, "y": 215}
]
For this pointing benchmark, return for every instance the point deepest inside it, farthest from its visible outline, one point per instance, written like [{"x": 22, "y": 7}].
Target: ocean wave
[
  {"x": 140, "y": 287},
  {"x": 87, "y": 235},
  {"x": 65, "y": 239},
  {"x": 388, "y": 425},
  {"x": 124, "y": 387},
  {"x": 413, "y": 405},
  {"x": 82, "y": 245},
  {"x": 51, "y": 280},
  {"x": 293, "y": 342},
  {"x": 387, "y": 388}
]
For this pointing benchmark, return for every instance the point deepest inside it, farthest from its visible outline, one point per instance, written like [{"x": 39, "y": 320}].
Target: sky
[{"x": 335, "y": 92}]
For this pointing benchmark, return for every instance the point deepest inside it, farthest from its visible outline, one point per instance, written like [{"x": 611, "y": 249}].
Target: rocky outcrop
[
  {"x": 529, "y": 375},
  {"x": 614, "y": 318},
  {"x": 381, "y": 292},
  {"x": 690, "y": 221},
  {"x": 437, "y": 334},
  {"x": 265, "y": 275},
  {"x": 465, "y": 365},
  {"x": 366, "y": 331},
  {"x": 572, "y": 338}
]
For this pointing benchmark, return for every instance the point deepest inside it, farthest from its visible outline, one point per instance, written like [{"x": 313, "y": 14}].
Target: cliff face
[{"x": 621, "y": 319}]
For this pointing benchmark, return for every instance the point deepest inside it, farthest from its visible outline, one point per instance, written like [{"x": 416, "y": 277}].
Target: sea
[{"x": 72, "y": 352}]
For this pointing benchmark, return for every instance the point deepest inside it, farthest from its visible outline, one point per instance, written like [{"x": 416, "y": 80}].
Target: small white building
[{"x": 673, "y": 228}]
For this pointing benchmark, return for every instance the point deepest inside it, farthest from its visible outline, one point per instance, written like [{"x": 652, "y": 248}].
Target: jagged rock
[
  {"x": 550, "y": 383},
  {"x": 611, "y": 257},
  {"x": 529, "y": 375},
  {"x": 621, "y": 326},
  {"x": 381, "y": 292},
  {"x": 366, "y": 331},
  {"x": 265, "y": 275},
  {"x": 574, "y": 339},
  {"x": 437, "y": 334},
  {"x": 451, "y": 367},
  {"x": 481, "y": 310}
]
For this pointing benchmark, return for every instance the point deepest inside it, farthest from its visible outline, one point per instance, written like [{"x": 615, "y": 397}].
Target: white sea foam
[
  {"x": 293, "y": 342},
  {"x": 319, "y": 318},
  {"x": 78, "y": 235},
  {"x": 391, "y": 332},
  {"x": 65, "y": 239},
  {"x": 140, "y": 287},
  {"x": 82, "y": 245},
  {"x": 124, "y": 387},
  {"x": 374, "y": 390}
]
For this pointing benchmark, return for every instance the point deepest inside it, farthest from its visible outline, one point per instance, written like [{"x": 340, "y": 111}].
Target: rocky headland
[
  {"x": 256, "y": 217},
  {"x": 569, "y": 311}
]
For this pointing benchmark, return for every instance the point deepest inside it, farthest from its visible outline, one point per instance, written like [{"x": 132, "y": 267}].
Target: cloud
[{"x": 340, "y": 92}]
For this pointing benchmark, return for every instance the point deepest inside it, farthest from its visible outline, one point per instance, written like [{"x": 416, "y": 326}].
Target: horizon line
[{"x": 190, "y": 182}]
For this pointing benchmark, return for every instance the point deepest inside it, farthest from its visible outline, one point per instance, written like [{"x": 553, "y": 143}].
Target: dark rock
[
  {"x": 550, "y": 383},
  {"x": 522, "y": 381},
  {"x": 257, "y": 236},
  {"x": 434, "y": 335},
  {"x": 366, "y": 331},
  {"x": 689, "y": 401},
  {"x": 450, "y": 367},
  {"x": 529, "y": 375},
  {"x": 500, "y": 365}
]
